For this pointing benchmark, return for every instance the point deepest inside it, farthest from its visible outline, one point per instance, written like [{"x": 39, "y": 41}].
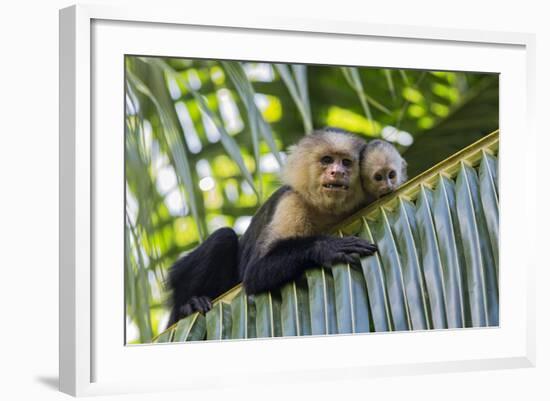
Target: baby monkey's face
[
  {"x": 383, "y": 181},
  {"x": 383, "y": 169}
]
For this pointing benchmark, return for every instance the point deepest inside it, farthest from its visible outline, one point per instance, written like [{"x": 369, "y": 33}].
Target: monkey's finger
[
  {"x": 186, "y": 310},
  {"x": 366, "y": 253},
  {"x": 351, "y": 240},
  {"x": 208, "y": 305},
  {"x": 204, "y": 304},
  {"x": 359, "y": 242},
  {"x": 342, "y": 257},
  {"x": 201, "y": 304},
  {"x": 356, "y": 257},
  {"x": 372, "y": 247},
  {"x": 369, "y": 246},
  {"x": 356, "y": 249},
  {"x": 198, "y": 304},
  {"x": 365, "y": 248},
  {"x": 363, "y": 251}
]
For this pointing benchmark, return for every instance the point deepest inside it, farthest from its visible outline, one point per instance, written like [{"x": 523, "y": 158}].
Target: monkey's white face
[
  {"x": 383, "y": 170},
  {"x": 335, "y": 182},
  {"x": 384, "y": 181},
  {"x": 324, "y": 169},
  {"x": 336, "y": 173}
]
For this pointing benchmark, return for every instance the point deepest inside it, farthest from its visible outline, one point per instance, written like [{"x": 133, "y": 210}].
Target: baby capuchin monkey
[
  {"x": 383, "y": 169},
  {"x": 325, "y": 179}
]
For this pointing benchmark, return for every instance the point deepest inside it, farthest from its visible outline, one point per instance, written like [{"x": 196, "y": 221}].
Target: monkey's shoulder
[
  {"x": 265, "y": 213},
  {"x": 258, "y": 227},
  {"x": 293, "y": 217}
]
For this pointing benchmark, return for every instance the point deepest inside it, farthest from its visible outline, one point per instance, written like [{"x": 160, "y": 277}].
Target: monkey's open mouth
[{"x": 336, "y": 187}]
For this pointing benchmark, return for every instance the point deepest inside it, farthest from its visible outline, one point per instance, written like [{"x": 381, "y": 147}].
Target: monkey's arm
[{"x": 288, "y": 258}]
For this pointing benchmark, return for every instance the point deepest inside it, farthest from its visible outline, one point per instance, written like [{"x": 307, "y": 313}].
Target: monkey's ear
[
  {"x": 289, "y": 165},
  {"x": 362, "y": 152}
]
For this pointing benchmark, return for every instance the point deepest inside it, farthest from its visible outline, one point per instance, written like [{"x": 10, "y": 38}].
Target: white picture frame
[{"x": 93, "y": 357}]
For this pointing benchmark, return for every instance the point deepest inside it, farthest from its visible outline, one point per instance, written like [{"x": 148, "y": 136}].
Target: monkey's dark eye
[
  {"x": 327, "y": 160},
  {"x": 392, "y": 174},
  {"x": 378, "y": 177},
  {"x": 347, "y": 163}
]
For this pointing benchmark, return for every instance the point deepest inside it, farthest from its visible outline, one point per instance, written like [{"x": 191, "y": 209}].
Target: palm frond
[{"x": 436, "y": 266}]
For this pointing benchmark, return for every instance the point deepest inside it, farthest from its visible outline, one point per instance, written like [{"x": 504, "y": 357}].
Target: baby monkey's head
[{"x": 382, "y": 168}]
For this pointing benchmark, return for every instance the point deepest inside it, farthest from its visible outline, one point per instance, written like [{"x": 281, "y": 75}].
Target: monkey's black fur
[
  {"x": 222, "y": 261},
  {"x": 218, "y": 264},
  {"x": 290, "y": 257},
  {"x": 272, "y": 253},
  {"x": 248, "y": 244},
  {"x": 205, "y": 273}
]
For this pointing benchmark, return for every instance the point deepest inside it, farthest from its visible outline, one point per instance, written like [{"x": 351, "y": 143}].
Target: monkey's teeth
[{"x": 338, "y": 186}]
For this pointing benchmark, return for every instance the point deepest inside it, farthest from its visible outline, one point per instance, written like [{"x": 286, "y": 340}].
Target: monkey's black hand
[
  {"x": 195, "y": 304},
  {"x": 343, "y": 250}
]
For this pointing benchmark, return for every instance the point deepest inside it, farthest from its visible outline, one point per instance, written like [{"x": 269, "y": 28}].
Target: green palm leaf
[
  {"x": 230, "y": 145},
  {"x": 218, "y": 322},
  {"x": 295, "y": 318},
  {"x": 451, "y": 251},
  {"x": 268, "y": 315},
  {"x": 297, "y": 87},
  {"x": 376, "y": 287},
  {"x": 321, "y": 302},
  {"x": 351, "y": 74},
  {"x": 243, "y": 316},
  {"x": 350, "y": 296},
  {"x": 190, "y": 329},
  {"x": 172, "y": 136}
]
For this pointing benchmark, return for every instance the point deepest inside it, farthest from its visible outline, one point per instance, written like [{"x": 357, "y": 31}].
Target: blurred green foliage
[{"x": 204, "y": 141}]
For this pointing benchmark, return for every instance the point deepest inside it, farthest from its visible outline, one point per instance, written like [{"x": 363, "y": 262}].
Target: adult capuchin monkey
[{"x": 288, "y": 234}]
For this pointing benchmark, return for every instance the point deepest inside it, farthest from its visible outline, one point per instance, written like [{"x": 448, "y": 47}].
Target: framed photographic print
[{"x": 272, "y": 191}]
